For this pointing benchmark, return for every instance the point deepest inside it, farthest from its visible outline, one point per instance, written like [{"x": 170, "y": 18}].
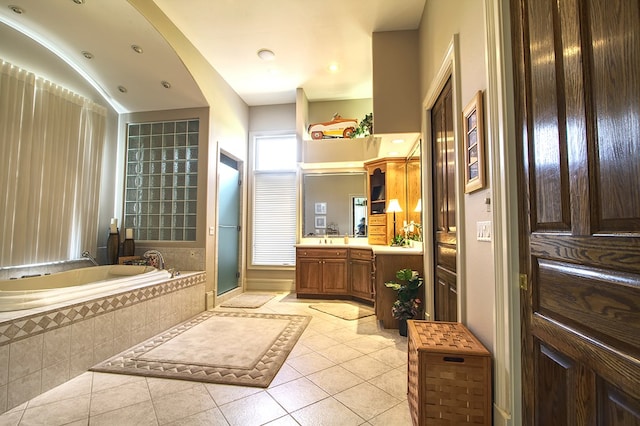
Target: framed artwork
[
  {"x": 321, "y": 221},
  {"x": 321, "y": 208},
  {"x": 473, "y": 149}
]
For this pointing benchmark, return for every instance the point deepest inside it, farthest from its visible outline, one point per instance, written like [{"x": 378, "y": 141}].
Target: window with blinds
[{"x": 274, "y": 201}]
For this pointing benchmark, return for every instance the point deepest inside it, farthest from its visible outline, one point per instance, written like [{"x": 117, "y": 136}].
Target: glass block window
[{"x": 162, "y": 180}]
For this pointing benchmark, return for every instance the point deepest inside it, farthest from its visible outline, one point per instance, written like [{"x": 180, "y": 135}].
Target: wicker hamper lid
[{"x": 445, "y": 337}]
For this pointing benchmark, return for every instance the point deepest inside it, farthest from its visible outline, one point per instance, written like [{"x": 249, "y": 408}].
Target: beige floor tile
[
  {"x": 256, "y": 410},
  {"x": 224, "y": 394},
  {"x": 297, "y": 394},
  {"x": 327, "y": 412},
  {"x": 178, "y": 405},
  {"x": 335, "y": 379},
  {"x": 366, "y": 400},
  {"x": 391, "y": 355},
  {"x": 366, "y": 367},
  {"x": 345, "y": 334},
  {"x": 397, "y": 416},
  {"x": 368, "y": 344},
  {"x": 77, "y": 386},
  {"x": 310, "y": 363},
  {"x": 285, "y": 374},
  {"x": 318, "y": 342},
  {"x": 141, "y": 414},
  {"x": 58, "y": 413},
  {"x": 103, "y": 381},
  {"x": 212, "y": 417},
  {"x": 340, "y": 353},
  {"x": 298, "y": 350},
  {"x": 394, "y": 383},
  {"x": 117, "y": 397},
  {"x": 11, "y": 418},
  {"x": 160, "y": 387},
  {"x": 283, "y": 421}
]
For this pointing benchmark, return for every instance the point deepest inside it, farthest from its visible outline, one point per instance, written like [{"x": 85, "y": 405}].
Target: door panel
[
  {"x": 444, "y": 202},
  {"x": 228, "y": 224},
  {"x": 577, "y": 91}
]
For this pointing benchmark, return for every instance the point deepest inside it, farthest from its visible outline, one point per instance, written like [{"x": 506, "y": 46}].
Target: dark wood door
[
  {"x": 577, "y": 86},
  {"x": 444, "y": 204}
]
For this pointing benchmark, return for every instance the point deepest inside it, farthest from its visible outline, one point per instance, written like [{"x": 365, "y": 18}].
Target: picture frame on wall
[
  {"x": 473, "y": 149},
  {"x": 321, "y": 208},
  {"x": 321, "y": 221}
]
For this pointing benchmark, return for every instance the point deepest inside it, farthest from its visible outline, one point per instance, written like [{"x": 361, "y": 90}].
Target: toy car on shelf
[{"x": 338, "y": 127}]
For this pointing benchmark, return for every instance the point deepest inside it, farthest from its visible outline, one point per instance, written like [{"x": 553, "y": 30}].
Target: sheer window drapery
[{"x": 51, "y": 143}]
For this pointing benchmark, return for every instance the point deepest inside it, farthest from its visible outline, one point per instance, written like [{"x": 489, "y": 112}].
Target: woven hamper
[{"x": 449, "y": 375}]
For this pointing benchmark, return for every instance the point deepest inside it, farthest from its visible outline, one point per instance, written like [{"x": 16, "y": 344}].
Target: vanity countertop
[{"x": 358, "y": 243}]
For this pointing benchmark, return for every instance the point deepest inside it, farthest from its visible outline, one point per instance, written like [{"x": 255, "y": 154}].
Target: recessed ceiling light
[
  {"x": 16, "y": 9},
  {"x": 266, "y": 54},
  {"x": 136, "y": 48},
  {"x": 165, "y": 84},
  {"x": 333, "y": 67},
  {"x": 122, "y": 89},
  {"x": 78, "y": 1},
  {"x": 397, "y": 141},
  {"x": 87, "y": 55}
]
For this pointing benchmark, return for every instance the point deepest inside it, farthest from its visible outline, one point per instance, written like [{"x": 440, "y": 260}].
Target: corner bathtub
[{"x": 76, "y": 284}]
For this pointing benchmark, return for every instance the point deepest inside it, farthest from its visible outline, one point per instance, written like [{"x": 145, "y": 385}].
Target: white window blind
[
  {"x": 274, "y": 201},
  {"x": 274, "y": 219}
]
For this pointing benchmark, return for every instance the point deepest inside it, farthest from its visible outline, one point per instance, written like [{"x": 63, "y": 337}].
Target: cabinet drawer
[
  {"x": 377, "y": 230},
  {"x": 361, "y": 254},
  {"x": 377, "y": 219},
  {"x": 336, "y": 253},
  {"x": 378, "y": 239}
]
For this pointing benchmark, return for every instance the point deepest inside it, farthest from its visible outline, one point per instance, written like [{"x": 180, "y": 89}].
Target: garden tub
[{"x": 75, "y": 285}]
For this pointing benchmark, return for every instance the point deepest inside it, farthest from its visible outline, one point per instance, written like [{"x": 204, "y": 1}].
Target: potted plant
[{"x": 407, "y": 304}]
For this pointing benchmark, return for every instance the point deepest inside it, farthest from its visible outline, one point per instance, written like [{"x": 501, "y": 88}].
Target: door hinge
[
  {"x": 239, "y": 228},
  {"x": 524, "y": 282}
]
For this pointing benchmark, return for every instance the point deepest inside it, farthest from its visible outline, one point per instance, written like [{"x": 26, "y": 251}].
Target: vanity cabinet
[
  {"x": 361, "y": 271},
  {"x": 339, "y": 272},
  {"x": 386, "y": 181},
  {"x": 321, "y": 271}
]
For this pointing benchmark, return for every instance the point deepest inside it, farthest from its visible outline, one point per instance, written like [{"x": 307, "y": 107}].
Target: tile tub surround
[{"x": 41, "y": 350}]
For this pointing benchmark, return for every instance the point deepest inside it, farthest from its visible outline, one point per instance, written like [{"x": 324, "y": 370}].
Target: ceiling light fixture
[
  {"x": 78, "y": 1},
  {"x": 136, "y": 48},
  {"x": 87, "y": 54},
  {"x": 266, "y": 54},
  {"x": 397, "y": 141},
  {"x": 333, "y": 67},
  {"x": 122, "y": 89},
  {"x": 165, "y": 84},
  {"x": 16, "y": 9}
]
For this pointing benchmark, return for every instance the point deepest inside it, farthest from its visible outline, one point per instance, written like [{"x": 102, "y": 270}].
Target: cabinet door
[
  {"x": 309, "y": 275},
  {"x": 361, "y": 284},
  {"x": 334, "y": 276}
]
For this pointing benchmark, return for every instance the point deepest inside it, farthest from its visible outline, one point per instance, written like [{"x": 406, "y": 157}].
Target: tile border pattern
[{"x": 30, "y": 325}]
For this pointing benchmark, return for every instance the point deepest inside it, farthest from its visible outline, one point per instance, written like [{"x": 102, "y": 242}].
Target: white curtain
[{"x": 50, "y": 155}]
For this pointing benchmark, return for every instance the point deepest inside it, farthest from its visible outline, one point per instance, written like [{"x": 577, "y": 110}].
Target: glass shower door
[{"x": 228, "y": 224}]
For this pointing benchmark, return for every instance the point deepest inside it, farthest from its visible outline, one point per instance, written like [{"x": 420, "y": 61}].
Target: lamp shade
[
  {"x": 393, "y": 206},
  {"x": 418, "y": 206}
]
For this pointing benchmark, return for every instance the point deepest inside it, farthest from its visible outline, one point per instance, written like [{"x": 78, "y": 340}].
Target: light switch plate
[{"x": 484, "y": 231}]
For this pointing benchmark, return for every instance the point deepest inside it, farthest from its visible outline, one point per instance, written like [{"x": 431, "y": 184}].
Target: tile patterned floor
[{"x": 339, "y": 373}]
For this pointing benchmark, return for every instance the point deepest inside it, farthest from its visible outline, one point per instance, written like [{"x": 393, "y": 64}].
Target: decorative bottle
[
  {"x": 129, "y": 245},
  {"x": 113, "y": 243}
]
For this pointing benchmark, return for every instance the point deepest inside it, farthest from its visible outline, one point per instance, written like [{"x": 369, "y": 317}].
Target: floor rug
[
  {"x": 347, "y": 311},
  {"x": 247, "y": 300},
  {"x": 234, "y": 348}
]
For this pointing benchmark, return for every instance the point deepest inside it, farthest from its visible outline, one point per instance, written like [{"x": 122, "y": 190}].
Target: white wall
[{"x": 441, "y": 20}]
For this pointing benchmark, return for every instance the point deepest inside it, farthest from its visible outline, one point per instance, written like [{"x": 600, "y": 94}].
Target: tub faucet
[
  {"x": 154, "y": 258},
  {"x": 91, "y": 258}
]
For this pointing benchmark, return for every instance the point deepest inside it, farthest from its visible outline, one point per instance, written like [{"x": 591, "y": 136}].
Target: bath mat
[
  {"x": 248, "y": 300},
  {"x": 346, "y": 311},
  {"x": 235, "y": 348}
]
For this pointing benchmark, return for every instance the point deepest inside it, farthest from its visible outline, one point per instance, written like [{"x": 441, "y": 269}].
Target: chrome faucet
[
  {"x": 91, "y": 258},
  {"x": 154, "y": 258}
]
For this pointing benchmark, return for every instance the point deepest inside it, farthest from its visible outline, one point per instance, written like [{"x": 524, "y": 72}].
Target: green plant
[
  {"x": 407, "y": 304},
  {"x": 365, "y": 128},
  {"x": 397, "y": 240}
]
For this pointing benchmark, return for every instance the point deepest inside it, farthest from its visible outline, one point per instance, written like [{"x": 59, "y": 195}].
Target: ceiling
[{"x": 307, "y": 37}]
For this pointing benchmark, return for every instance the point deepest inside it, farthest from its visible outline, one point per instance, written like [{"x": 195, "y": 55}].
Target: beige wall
[{"x": 441, "y": 20}]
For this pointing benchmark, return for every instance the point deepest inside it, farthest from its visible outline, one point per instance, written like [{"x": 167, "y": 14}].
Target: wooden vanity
[{"x": 345, "y": 271}]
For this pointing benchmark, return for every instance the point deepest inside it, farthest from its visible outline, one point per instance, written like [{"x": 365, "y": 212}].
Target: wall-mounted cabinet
[{"x": 386, "y": 181}]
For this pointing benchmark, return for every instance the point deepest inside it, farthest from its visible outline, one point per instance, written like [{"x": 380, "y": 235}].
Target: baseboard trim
[{"x": 261, "y": 284}]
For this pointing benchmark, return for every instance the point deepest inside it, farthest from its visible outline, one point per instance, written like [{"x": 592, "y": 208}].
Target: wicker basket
[{"x": 449, "y": 378}]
